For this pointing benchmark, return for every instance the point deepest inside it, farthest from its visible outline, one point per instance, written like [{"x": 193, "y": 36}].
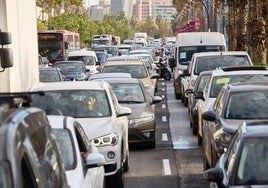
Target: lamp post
[{"x": 207, "y": 14}]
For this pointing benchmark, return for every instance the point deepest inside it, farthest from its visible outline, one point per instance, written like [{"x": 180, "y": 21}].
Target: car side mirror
[
  {"x": 6, "y": 54},
  {"x": 209, "y": 116},
  {"x": 215, "y": 175},
  {"x": 199, "y": 95}
]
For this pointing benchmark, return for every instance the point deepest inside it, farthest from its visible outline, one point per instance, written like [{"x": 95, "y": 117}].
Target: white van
[
  {"x": 88, "y": 57},
  {"x": 189, "y": 43}
]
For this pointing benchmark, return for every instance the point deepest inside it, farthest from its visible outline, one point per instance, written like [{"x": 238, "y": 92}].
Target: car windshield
[
  {"x": 69, "y": 67},
  {"x": 219, "y": 81},
  {"x": 212, "y": 62},
  {"x": 49, "y": 76},
  {"x": 87, "y": 60},
  {"x": 252, "y": 167},
  {"x": 239, "y": 102},
  {"x": 75, "y": 103},
  {"x": 201, "y": 83},
  {"x": 128, "y": 93},
  {"x": 136, "y": 71},
  {"x": 186, "y": 52},
  {"x": 64, "y": 141}
]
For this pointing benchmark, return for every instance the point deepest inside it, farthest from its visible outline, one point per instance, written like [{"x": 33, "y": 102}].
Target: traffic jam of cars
[{"x": 75, "y": 127}]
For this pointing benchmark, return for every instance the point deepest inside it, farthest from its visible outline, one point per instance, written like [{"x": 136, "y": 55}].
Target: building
[
  {"x": 143, "y": 9},
  {"x": 118, "y": 6}
]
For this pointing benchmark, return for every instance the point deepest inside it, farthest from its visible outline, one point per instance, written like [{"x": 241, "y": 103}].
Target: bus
[{"x": 56, "y": 44}]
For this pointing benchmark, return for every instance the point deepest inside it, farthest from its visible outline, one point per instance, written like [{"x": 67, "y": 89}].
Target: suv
[
  {"x": 218, "y": 78},
  {"x": 94, "y": 105},
  {"x": 235, "y": 103},
  {"x": 29, "y": 156},
  {"x": 206, "y": 61},
  {"x": 88, "y": 57},
  {"x": 245, "y": 162}
]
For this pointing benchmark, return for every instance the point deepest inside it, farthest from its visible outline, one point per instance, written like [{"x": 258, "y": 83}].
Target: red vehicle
[{"x": 56, "y": 44}]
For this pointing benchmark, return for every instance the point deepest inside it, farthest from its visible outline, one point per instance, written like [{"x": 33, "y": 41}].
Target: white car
[
  {"x": 218, "y": 78},
  {"x": 89, "y": 58},
  {"x": 206, "y": 61},
  {"x": 82, "y": 161},
  {"x": 94, "y": 105}
]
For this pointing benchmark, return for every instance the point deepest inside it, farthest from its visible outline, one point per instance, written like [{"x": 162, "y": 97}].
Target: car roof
[
  {"x": 122, "y": 57},
  {"x": 255, "y": 129},
  {"x": 77, "y": 62},
  {"x": 247, "y": 86},
  {"x": 239, "y": 70},
  {"x": 109, "y": 75},
  {"x": 82, "y": 53},
  {"x": 200, "y": 54},
  {"x": 122, "y": 62},
  {"x": 83, "y": 85},
  {"x": 123, "y": 80}
]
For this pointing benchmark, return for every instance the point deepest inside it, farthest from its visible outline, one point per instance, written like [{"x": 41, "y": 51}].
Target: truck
[
  {"x": 141, "y": 38},
  {"x": 105, "y": 39}
]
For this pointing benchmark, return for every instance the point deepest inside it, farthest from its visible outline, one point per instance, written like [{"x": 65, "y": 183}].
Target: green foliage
[
  {"x": 41, "y": 25},
  {"x": 72, "y": 22}
]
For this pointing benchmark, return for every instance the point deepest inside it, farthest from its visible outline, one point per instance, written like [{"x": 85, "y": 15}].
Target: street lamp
[{"x": 207, "y": 14}]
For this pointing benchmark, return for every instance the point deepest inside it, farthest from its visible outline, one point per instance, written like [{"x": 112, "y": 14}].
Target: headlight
[
  {"x": 180, "y": 72},
  {"x": 110, "y": 139},
  {"x": 222, "y": 140},
  {"x": 80, "y": 77},
  {"x": 141, "y": 120}
]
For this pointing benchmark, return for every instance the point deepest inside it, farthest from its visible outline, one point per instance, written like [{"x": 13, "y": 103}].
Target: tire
[
  {"x": 205, "y": 163},
  {"x": 116, "y": 180},
  {"x": 167, "y": 75},
  {"x": 185, "y": 101},
  {"x": 126, "y": 165},
  {"x": 199, "y": 140}
]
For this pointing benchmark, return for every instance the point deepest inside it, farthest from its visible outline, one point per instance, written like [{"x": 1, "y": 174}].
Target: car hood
[
  {"x": 96, "y": 127},
  {"x": 138, "y": 110}
]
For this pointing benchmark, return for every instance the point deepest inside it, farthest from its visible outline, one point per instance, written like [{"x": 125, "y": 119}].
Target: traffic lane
[
  {"x": 188, "y": 153},
  {"x": 151, "y": 168}
]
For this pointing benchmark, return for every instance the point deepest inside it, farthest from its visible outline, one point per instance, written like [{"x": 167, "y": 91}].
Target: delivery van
[{"x": 189, "y": 43}]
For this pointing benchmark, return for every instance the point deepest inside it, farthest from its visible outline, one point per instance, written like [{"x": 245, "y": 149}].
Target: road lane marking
[
  {"x": 163, "y": 89},
  {"x": 166, "y": 167},
  {"x": 163, "y": 96},
  {"x": 163, "y": 105},
  {"x": 164, "y": 137},
  {"x": 163, "y": 84},
  {"x": 164, "y": 118}
]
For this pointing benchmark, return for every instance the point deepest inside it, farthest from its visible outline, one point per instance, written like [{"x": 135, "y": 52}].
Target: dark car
[
  {"x": 51, "y": 74},
  {"x": 131, "y": 93},
  {"x": 198, "y": 88},
  {"x": 73, "y": 70},
  {"x": 29, "y": 155},
  {"x": 245, "y": 162},
  {"x": 236, "y": 103}
]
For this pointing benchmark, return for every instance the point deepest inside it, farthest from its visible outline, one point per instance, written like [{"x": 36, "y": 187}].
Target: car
[
  {"x": 112, "y": 50},
  {"x": 102, "y": 57},
  {"x": 29, "y": 155},
  {"x": 218, "y": 78},
  {"x": 88, "y": 57},
  {"x": 82, "y": 161},
  {"x": 244, "y": 164},
  {"x": 51, "y": 74},
  {"x": 136, "y": 68},
  {"x": 198, "y": 87},
  {"x": 205, "y": 61},
  {"x": 131, "y": 93},
  {"x": 236, "y": 103},
  {"x": 73, "y": 70},
  {"x": 94, "y": 105}
]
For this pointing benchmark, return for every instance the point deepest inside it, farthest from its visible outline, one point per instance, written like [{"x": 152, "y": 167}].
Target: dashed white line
[
  {"x": 164, "y": 118},
  {"x": 163, "y": 96},
  {"x": 163, "y": 105},
  {"x": 163, "y": 89},
  {"x": 163, "y": 84},
  {"x": 164, "y": 137},
  {"x": 166, "y": 166}
]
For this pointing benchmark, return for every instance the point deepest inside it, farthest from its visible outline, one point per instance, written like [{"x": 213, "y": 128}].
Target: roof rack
[
  {"x": 18, "y": 99},
  {"x": 243, "y": 68}
]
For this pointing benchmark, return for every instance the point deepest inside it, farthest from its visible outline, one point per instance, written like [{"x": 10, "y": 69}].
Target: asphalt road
[{"x": 176, "y": 161}]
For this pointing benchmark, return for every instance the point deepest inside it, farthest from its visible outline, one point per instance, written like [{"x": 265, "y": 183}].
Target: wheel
[
  {"x": 199, "y": 140},
  {"x": 116, "y": 180},
  {"x": 185, "y": 101},
  {"x": 205, "y": 163},
  {"x": 167, "y": 75},
  {"x": 126, "y": 165}
]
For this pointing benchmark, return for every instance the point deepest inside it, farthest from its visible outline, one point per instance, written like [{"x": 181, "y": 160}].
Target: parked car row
[{"x": 227, "y": 107}]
